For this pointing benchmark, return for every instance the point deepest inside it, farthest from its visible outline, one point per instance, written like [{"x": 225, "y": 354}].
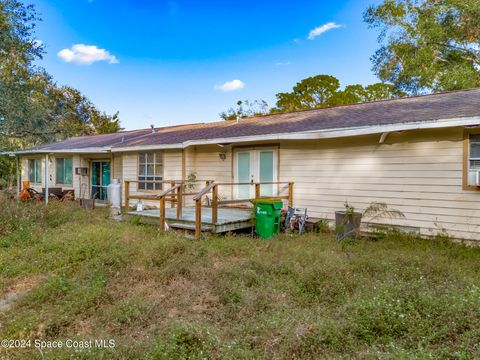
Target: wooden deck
[{"x": 229, "y": 219}]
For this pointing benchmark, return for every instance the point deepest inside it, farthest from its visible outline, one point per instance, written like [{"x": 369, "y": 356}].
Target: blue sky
[{"x": 170, "y": 62}]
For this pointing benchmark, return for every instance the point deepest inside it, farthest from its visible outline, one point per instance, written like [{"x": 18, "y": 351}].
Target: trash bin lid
[{"x": 276, "y": 203}]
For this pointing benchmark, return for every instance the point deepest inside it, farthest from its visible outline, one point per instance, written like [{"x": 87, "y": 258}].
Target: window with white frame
[
  {"x": 63, "y": 171},
  {"x": 473, "y": 159},
  {"x": 150, "y": 169},
  {"x": 35, "y": 171}
]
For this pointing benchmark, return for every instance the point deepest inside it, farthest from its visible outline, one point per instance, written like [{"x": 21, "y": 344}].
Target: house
[{"x": 420, "y": 155}]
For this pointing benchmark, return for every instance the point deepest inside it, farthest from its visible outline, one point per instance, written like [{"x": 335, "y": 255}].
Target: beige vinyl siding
[
  {"x": 418, "y": 173},
  {"x": 130, "y": 172},
  {"x": 117, "y": 166},
  {"x": 172, "y": 164},
  {"x": 208, "y": 166}
]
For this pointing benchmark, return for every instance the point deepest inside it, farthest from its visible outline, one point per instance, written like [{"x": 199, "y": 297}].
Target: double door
[{"x": 255, "y": 165}]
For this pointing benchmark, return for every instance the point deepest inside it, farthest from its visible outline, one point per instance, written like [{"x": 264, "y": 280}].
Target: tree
[
  {"x": 18, "y": 51},
  {"x": 246, "y": 108},
  {"x": 103, "y": 123},
  {"x": 351, "y": 95},
  {"x": 357, "y": 94},
  {"x": 33, "y": 108},
  {"x": 323, "y": 91},
  {"x": 310, "y": 93},
  {"x": 427, "y": 45},
  {"x": 382, "y": 91}
]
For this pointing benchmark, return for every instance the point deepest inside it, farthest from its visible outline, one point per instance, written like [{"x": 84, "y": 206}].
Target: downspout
[
  {"x": 383, "y": 137},
  {"x": 47, "y": 165}
]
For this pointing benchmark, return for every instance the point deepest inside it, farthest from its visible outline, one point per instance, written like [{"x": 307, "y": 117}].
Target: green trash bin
[{"x": 267, "y": 217}]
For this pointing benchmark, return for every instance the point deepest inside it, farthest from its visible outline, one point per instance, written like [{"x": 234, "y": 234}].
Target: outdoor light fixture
[{"x": 222, "y": 156}]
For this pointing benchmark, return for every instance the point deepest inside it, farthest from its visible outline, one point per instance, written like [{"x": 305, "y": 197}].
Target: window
[
  {"x": 471, "y": 159},
  {"x": 150, "y": 168},
  {"x": 35, "y": 171},
  {"x": 63, "y": 171}
]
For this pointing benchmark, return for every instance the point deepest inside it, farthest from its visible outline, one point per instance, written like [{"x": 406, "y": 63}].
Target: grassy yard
[{"x": 80, "y": 275}]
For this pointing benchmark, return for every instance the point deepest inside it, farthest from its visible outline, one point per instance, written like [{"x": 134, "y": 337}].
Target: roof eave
[
  {"x": 314, "y": 134},
  {"x": 95, "y": 150}
]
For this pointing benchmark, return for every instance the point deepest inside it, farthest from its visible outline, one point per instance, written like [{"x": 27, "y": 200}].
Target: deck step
[{"x": 184, "y": 226}]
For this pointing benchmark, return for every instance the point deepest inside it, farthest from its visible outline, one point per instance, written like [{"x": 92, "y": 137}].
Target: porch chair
[{"x": 295, "y": 219}]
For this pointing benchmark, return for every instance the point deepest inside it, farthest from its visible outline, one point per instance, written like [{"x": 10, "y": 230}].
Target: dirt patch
[{"x": 16, "y": 290}]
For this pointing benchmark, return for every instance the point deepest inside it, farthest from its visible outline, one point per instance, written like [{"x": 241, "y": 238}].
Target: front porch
[
  {"x": 211, "y": 212},
  {"x": 229, "y": 219}
]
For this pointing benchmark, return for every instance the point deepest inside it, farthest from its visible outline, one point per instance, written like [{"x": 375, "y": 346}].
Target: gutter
[
  {"x": 95, "y": 150},
  {"x": 313, "y": 134}
]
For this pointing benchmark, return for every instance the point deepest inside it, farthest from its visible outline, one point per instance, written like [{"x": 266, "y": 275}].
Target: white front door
[{"x": 258, "y": 165}]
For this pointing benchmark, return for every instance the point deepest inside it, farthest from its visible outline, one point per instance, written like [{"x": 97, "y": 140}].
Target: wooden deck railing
[
  {"x": 213, "y": 188},
  {"x": 148, "y": 194},
  {"x": 179, "y": 198},
  {"x": 176, "y": 194}
]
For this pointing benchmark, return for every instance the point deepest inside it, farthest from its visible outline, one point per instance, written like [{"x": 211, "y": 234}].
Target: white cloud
[
  {"x": 231, "y": 86},
  {"x": 321, "y": 29},
  {"x": 283, "y": 63},
  {"x": 86, "y": 55}
]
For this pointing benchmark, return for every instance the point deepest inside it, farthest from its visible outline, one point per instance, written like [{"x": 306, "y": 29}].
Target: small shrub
[{"x": 323, "y": 227}]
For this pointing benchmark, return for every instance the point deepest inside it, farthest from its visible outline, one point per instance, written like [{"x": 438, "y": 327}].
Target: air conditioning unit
[{"x": 83, "y": 171}]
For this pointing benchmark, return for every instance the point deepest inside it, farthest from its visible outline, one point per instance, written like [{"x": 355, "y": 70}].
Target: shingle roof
[
  {"x": 96, "y": 141},
  {"x": 405, "y": 110},
  {"x": 450, "y": 105}
]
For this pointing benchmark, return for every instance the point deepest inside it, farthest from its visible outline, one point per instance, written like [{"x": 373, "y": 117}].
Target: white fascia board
[
  {"x": 64, "y": 151},
  {"x": 314, "y": 134}
]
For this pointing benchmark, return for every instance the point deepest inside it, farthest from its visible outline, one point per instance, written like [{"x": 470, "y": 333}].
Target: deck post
[
  {"x": 215, "y": 204},
  {"x": 257, "y": 190},
  {"x": 179, "y": 201},
  {"x": 198, "y": 219},
  {"x": 290, "y": 194},
  {"x": 172, "y": 196},
  {"x": 127, "y": 194},
  {"x": 162, "y": 213}
]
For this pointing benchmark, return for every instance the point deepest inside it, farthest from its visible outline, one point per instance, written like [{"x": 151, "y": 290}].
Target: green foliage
[
  {"x": 246, "y": 108},
  {"x": 323, "y": 91},
  {"x": 310, "y": 93},
  {"x": 33, "y": 108},
  {"x": 349, "y": 209},
  {"x": 315, "y": 92},
  {"x": 376, "y": 210},
  {"x": 191, "y": 181},
  {"x": 160, "y": 296},
  {"x": 427, "y": 45}
]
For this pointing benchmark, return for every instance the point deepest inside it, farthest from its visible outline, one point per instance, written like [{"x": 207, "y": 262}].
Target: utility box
[
  {"x": 83, "y": 171},
  {"x": 267, "y": 217}
]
